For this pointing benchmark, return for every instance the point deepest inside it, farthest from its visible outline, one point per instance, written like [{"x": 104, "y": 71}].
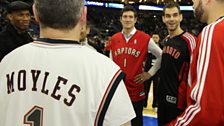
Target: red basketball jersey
[
  {"x": 205, "y": 105},
  {"x": 130, "y": 57}
]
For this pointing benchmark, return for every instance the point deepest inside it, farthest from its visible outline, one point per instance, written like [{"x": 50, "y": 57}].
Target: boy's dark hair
[
  {"x": 129, "y": 8},
  {"x": 171, "y": 4}
]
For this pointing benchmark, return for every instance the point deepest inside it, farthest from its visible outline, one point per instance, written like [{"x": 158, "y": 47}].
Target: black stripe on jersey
[
  {"x": 57, "y": 41},
  {"x": 219, "y": 18},
  {"x": 108, "y": 99}
]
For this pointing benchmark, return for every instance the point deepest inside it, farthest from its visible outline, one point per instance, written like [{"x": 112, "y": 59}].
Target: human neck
[
  {"x": 60, "y": 34},
  {"x": 214, "y": 16},
  {"x": 176, "y": 32},
  {"x": 127, "y": 31}
]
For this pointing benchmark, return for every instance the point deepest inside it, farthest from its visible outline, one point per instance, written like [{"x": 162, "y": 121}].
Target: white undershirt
[{"x": 127, "y": 38}]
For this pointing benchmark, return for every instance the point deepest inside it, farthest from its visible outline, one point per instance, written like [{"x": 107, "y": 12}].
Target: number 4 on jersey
[{"x": 34, "y": 116}]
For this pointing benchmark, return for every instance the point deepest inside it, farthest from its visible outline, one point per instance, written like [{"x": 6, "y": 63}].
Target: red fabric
[
  {"x": 183, "y": 87},
  {"x": 130, "y": 57},
  {"x": 205, "y": 101}
]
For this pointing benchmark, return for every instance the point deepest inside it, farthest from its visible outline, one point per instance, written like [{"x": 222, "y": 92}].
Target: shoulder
[
  {"x": 3, "y": 33},
  {"x": 212, "y": 32},
  {"x": 218, "y": 27},
  {"x": 14, "y": 54},
  {"x": 143, "y": 34},
  {"x": 119, "y": 34},
  {"x": 190, "y": 39},
  {"x": 98, "y": 59},
  {"x": 214, "y": 27},
  {"x": 7, "y": 34},
  {"x": 117, "y": 37},
  {"x": 189, "y": 35}
]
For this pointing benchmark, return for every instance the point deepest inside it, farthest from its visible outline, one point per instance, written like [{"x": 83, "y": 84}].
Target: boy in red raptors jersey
[
  {"x": 129, "y": 50},
  {"x": 176, "y": 57},
  {"x": 205, "y": 100}
]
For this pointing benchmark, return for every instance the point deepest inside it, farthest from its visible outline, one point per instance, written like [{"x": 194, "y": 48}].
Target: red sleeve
[{"x": 205, "y": 101}]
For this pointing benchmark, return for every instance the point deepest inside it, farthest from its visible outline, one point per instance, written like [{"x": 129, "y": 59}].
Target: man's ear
[
  {"x": 163, "y": 18},
  {"x": 35, "y": 12},
  {"x": 83, "y": 16},
  {"x": 136, "y": 19},
  {"x": 9, "y": 16},
  {"x": 181, "y": 17}
]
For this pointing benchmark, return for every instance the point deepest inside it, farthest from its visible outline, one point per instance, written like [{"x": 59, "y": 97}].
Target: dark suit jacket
[{"x": 11, "y": 39}]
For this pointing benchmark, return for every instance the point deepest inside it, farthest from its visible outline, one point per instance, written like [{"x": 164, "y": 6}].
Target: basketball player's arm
[{"x": 157, "y": 52}]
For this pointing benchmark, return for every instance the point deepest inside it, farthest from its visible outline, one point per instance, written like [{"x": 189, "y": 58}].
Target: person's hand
[{"x": 141, "y": 78}]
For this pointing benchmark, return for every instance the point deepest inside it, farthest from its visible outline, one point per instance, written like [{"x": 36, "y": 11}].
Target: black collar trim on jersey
[
  {"x": 57, "y": 41},
  {"x": 181, "y": 33},
  {"x": 175, "y": 36},
  {"x": 219, "y": 18}
]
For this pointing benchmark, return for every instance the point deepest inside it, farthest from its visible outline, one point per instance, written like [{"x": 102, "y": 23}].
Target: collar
[
  {"x": 220, "y": 18},
  {"x": 131, "y": 33},
  {"x": 57, "y": 41},
  {"x": 85, "y": 42}
]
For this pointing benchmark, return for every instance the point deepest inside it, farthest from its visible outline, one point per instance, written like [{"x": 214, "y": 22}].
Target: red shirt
[{"x": 130, "y": 57}]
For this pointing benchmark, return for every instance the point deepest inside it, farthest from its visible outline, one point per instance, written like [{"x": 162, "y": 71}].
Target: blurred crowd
[{"x": 104, "y": 22}]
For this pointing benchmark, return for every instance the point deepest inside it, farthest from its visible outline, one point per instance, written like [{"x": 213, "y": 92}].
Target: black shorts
[{"x": 167, "y": 112}]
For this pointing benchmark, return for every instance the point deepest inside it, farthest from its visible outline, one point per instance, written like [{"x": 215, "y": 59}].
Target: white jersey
[{"x": 57, "y": 83}]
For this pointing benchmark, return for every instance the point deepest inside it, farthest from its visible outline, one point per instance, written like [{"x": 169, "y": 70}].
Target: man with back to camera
[
  {"x": 205, "y": 99},
  {"x": 176, "y": 58},
  {"x": 129, "y": 50},
  {"x": 58, "y": 82},
  {"x": 16, "y": 32}
]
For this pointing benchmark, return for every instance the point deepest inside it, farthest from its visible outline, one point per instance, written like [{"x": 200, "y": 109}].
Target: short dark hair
[
  {"x": 59, "y": 14},
  {"x": 129, "y": 8},
  {"x": 17, "y": 6},
  {"x": 171, "y": 4}
]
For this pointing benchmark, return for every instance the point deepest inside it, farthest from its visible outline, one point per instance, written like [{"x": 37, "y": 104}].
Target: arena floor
[{"x": 150, "y": 117}]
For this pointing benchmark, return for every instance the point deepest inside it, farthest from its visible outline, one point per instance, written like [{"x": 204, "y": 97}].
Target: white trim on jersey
[
  {"x": 203, "y": 62},
  {"x": 105, "y": 102},
  {"x": 192, "y": 42}
]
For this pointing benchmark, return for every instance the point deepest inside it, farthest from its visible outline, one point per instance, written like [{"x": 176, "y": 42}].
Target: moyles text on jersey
[{"x": 20, "y": 79}]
